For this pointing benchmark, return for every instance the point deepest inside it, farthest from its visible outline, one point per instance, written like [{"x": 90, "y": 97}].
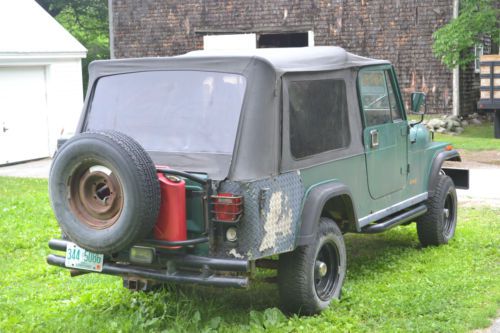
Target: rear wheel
[
  {"x": 438, "y": 225},
  {"x": 311, "y": 276}
]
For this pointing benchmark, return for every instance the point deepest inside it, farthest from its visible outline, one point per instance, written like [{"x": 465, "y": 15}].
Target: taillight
[{"x": 226, "y": 207}]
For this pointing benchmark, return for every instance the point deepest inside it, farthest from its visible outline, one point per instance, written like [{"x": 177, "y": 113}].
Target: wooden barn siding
[{"x": 397, "y": 30}]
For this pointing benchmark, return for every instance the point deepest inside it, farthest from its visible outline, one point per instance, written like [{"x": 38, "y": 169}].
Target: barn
[
  {"x": 396, "y": 30},
  {"x": 41, "y": 92}
]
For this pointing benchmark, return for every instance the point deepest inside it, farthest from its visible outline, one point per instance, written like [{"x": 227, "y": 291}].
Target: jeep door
[{"x": 385, "y": 131}]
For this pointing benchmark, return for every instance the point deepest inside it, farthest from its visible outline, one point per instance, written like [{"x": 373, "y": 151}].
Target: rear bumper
[{"x": 204, "y": 270}]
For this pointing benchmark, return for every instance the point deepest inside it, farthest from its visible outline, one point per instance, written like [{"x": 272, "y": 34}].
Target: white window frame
[
  {"x": 310, "y": 38},
  {"x": 230, "y": 42}
]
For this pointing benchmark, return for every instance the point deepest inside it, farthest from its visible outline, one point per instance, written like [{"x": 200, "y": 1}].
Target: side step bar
[{"x": 395, "y": 221}]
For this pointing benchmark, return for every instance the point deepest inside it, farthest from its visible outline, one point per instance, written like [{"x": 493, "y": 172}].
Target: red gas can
[{"x": 171, "y": 224}]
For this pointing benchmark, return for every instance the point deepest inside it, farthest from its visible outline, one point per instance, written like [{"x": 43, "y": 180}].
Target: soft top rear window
[{"x": 171, "y": 111}]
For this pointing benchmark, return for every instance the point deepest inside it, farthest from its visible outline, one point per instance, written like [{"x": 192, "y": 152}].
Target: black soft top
[
  {"x": 282, "y": 60},
  {"x": 257, "y": 148}
]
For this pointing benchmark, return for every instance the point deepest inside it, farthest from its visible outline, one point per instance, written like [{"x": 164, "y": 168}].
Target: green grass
[
  {"x": 474, "y": 137},
  {"x": 393, "y": 285}
]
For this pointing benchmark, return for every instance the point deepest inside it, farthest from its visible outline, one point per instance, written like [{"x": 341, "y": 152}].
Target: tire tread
[
  {"x": 145, "y": 170},
  {"x": 429, "y": 225},
  {"x": 139, "y": 166},
  {"x": 293, "y": 272}
]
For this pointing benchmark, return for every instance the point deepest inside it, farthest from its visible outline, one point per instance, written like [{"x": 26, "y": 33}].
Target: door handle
[
  {"x": 374, "y": 137},
  {"x": 4, "y": 129}
]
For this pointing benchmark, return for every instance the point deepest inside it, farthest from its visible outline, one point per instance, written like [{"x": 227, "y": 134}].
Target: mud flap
[{"x": 460, "y": 177}]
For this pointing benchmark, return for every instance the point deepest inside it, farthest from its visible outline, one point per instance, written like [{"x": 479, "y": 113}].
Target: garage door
[{"x": 23, "y": 114}]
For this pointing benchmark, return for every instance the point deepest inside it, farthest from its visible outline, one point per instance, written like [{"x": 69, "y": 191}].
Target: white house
[{"x": 41, "y": 93}]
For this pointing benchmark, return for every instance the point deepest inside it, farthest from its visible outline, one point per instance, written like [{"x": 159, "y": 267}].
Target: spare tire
[{"x": 104, "y": 191}]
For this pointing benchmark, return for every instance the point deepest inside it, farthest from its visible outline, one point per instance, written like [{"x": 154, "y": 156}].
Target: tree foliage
[
  {"x": 454, "y": 41},
  {"x": 53, "y": 7},
  {"x": 87, "y": 21}
]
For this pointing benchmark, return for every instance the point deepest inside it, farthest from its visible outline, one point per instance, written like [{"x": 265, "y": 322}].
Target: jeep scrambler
[{"x": 201, "y": 167}]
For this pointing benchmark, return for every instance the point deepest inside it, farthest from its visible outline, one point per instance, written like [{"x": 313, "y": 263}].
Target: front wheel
[
  {"x": 438, "y": 225},
  {"x": 311, "y": 276}
]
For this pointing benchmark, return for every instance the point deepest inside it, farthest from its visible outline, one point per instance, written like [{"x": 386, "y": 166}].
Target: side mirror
[{"x": 418, "y": 99}]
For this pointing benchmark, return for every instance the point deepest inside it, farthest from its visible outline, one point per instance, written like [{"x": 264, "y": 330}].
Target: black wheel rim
[
  {"x": 448, "y": 214},
  {"x": 326, "y": 283}
]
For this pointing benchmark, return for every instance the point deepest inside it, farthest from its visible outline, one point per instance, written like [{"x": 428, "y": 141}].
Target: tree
[
  {"x": 87, "y": 21},
  {"x": 454, "y": 41},
  {"x": 53, "y": 7}
]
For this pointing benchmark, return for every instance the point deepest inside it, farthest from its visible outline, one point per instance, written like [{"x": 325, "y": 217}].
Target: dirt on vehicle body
[{"x": 202, "y": 167}]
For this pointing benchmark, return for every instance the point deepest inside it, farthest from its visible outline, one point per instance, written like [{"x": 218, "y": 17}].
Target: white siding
[
  {"x": 41, "y": 65},
  {"x": 63, "y": 91},
  {"x": 64, "y": 97}
]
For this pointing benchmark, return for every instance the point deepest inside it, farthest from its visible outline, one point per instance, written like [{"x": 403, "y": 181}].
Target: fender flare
[
  {"x": 437, "y": 164},
  {"x": 316, "y": 199}
]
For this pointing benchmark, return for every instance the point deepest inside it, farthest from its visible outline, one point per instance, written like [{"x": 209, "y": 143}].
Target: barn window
[
  {"x": 297, "y": 39},
  {"x": 288, "y": 39},
  {"x": 249, "y": 41}
]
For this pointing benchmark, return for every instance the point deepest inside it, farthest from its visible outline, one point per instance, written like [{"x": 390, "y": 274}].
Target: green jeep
[{"x": 201, "y": 168}]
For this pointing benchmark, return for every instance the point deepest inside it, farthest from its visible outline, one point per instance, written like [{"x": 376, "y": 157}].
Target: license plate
[{"x": 79, "y": 258}]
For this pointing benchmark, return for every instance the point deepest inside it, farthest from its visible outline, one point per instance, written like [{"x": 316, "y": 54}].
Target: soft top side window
[{"x": 318, "y": 116}]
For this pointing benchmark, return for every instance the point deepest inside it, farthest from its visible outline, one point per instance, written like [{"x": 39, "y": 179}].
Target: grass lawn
[
  {"x": 474, "y": 137},
  {"x": 393, "y": 285}
]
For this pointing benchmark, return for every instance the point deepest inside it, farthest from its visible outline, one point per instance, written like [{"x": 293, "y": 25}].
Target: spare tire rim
[{"x": 96, "y": 196}]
